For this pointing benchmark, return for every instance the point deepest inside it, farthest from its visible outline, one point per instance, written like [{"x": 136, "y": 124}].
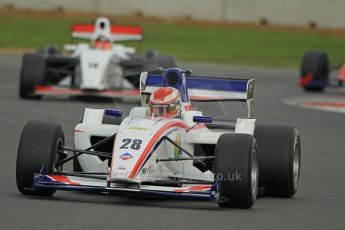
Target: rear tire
[
  {"x": 32, "y": 73},
  {"x": 50, "y": 50},
  {"x": 165, "y": 61},
  {"x": 315, "y": 64},
  {"x": 236, "y": 170},
  {"x": 279, "y": 161},
  {"x": 37, "y": 148}
]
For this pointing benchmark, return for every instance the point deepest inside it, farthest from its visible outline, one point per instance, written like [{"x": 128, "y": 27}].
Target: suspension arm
[
  {"x": 78, "y": 152},
  {"x": 185, "y": 158},
  {"x": 184, "y": 150}
]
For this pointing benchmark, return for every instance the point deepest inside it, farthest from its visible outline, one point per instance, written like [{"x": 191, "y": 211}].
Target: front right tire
[{"x": 236, "y": 170}]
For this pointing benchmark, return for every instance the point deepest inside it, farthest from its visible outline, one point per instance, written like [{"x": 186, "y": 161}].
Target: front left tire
[{"x": 38, "y": 148}]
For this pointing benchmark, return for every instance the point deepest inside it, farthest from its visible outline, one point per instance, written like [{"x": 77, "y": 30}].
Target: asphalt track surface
[{"x": 318, "y": 204}]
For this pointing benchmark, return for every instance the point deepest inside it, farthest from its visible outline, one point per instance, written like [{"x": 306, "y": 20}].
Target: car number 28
[{"x": 134, "y": 144}]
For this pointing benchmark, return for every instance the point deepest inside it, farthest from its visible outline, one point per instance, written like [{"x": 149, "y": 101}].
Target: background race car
[
  {"x": 100, "y": 68},
  {"x": 315, "y": 70},
  {"x": 188, "y": 155}
]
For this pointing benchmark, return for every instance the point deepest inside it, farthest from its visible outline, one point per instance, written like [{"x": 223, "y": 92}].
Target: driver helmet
[
  {"x": 165, "y": 102},
  {"x": 102, "y": 43}
]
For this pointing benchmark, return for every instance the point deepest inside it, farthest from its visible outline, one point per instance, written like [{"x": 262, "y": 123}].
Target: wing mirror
[
  {"x": 113, "y": 112},
  {"x": 202, "y": 119},
  {"x": 70, "y": 47}
]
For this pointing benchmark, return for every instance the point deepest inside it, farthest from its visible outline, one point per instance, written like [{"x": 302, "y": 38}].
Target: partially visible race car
[
  {"x": 101, "y": 68},
  {"x": 315, "y": 70},
  {"x": 165, "y": 148}
]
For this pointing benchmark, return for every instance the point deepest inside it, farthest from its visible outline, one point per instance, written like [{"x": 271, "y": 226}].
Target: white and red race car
[
  {"x": 188, "y": 156},
  {"x": 101, "y": 68}
]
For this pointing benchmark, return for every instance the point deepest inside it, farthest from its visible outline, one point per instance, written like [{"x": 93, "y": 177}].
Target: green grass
[{"x": 251, "y": 46}]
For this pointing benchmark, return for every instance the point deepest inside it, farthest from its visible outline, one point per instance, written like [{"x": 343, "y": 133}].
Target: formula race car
[
  {"x": 315, "y": 70},
  {"x": 101, "y": 68},
  {"x": 165, "y": 148}
]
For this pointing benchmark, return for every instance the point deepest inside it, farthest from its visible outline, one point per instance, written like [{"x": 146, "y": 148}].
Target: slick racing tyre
[
  {"x": 155, "y": 60},
  {"x": 165, "y": 61},
  {"x": 279, "y": 160},
  {"x": 32, "y": 73},
  {"x": 236, "y": 170},
  {"x": 315, "y": 64},
  {"x": 50, "y": 50},
  {"x": 53, "y": 50},
  {"x": 37, "y": 149}
]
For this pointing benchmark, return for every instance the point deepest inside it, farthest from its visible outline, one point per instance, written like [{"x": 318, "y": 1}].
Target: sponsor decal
[
  {"x": 177, "y": 151},
  {"x": 119, "y": 174},
  {"x": 121, "y": 168},
  {"x": 126, "y": 156},
  {"x": 138, "y": 128},
  {"x": 149, "y": 169}
]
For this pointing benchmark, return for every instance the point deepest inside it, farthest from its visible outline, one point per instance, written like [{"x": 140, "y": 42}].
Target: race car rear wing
[
  {"x": 118, "y": 33},
  {"x": 197, "y": 88}
]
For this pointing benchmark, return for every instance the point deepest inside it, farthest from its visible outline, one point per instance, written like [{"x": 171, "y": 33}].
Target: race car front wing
[{"x": 192, "y": 190}]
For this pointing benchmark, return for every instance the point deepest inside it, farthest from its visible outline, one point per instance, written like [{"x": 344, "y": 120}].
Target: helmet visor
[{"x": 164, "y": 110}]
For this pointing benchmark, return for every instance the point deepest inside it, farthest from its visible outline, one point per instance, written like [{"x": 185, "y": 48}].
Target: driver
[
  {"x": 164, "y": 102},
  {"x": 102, "y": 43}
]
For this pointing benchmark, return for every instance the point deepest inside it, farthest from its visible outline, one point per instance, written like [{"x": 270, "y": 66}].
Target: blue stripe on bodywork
[
  {"x": 195, "y": 82},
  {"x": 154, "y": 80}
]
